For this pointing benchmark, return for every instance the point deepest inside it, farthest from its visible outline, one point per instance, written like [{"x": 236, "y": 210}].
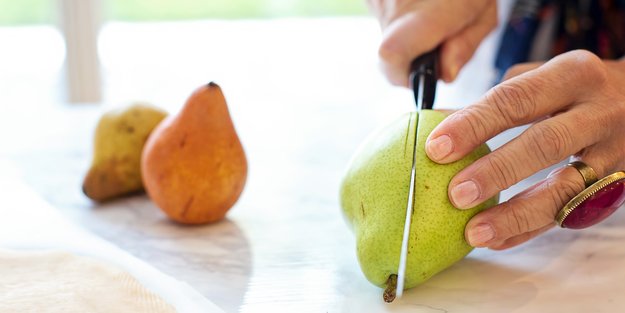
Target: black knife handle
[{"x": 426, "y": 67}]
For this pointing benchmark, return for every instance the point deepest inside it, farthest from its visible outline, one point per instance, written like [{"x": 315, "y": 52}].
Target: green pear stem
[{"x": 391, "y": 289}]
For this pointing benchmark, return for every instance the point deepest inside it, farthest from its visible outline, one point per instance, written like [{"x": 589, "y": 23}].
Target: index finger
[{"x": 533, "y": 95}]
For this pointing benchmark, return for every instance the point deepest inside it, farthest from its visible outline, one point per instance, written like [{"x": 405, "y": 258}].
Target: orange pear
[{"x": 194, "y": 167}]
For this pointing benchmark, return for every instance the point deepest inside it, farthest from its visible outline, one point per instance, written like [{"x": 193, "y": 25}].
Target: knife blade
[{"x": 423, "y": 79}]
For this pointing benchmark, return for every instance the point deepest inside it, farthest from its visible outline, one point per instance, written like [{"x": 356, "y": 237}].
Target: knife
[{"x": 423, "y": 80}]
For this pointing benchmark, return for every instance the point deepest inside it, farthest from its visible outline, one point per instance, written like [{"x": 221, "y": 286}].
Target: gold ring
[
  {"x": 588, "y": 174},
  {"x": 595, "y": 203}
]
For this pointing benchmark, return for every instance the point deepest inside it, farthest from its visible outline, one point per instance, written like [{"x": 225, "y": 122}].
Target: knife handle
[{"x": 425, "y": 67}]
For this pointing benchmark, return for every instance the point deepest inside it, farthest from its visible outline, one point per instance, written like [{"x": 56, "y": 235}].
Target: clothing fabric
[{"x": 541, "y": 29}]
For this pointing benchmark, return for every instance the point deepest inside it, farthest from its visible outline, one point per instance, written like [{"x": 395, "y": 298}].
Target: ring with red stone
[{"x": 595, "y": 203}]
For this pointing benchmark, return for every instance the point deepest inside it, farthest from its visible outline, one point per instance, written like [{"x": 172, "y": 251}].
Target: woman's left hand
[{"x": 576, "y": 103}]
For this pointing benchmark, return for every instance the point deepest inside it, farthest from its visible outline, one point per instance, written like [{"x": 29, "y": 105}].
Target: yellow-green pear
[
  {"x": 118, "y": 143},
  {"x": 374, "y": 195}
]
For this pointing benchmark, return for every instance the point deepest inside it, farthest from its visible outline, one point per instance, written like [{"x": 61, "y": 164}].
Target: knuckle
[
  {"x": 608, "y": 162},
  {"x": 518, "y": 220},
  {"x": 391, "y": 61},
  {"x": 589, "y": 66},
  {"x": 562, "y": 190},
  {"x": 500, "y": 173},
  {"x": 475, "y": 129},
  {"x": 473, "y": 125},
  {"x": 551, "y": 142},
  {"x": 386, "y": 52},
  {"x": 611, "y": 115},
  {"x": 514, "y": 102}
]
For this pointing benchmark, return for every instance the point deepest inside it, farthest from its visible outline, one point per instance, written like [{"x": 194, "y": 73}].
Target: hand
[
  {"x": 576, "y": 103},
  {"x": 413, "y": 27}
]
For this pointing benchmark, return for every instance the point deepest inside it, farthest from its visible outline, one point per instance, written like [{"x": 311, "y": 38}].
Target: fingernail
[
  {"x": 480, "y": 234},
  {"x": 439, "y": 147},
  {"x": 464, "y": 194}
]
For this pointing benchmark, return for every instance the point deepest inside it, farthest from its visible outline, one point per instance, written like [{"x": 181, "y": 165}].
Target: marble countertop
[{"x": 284, "y": 247}]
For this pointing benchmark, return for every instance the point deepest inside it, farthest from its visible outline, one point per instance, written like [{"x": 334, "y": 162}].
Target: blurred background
[
  {"x": 288, "y": 68},
  {"x": 111, "y": 51},
  {"x": 93, "y": 50}
]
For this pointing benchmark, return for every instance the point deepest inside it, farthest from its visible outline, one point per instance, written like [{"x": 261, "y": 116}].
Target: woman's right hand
[{"x": 413, "y": 27}]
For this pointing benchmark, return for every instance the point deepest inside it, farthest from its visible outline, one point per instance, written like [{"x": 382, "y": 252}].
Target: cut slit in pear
[
  {"x": 395, "y": 283},
  {"x": 377, "y": 179}
]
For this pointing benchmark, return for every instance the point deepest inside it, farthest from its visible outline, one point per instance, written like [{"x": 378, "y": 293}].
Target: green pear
[
  {"x": 118, "y": 142},
  {"x": 374, "y": 196}
]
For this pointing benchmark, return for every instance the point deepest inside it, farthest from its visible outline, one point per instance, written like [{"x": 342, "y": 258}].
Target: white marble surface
[
  {"x": 285, "y": 247},
  {"x": 30, "y": 224}
]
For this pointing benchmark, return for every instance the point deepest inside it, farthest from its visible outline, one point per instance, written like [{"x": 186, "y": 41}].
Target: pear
[
  {"x": 194, "y": 165},
  {"x": 118, "y": 142},
  {"x": 374, "y": 195}
]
